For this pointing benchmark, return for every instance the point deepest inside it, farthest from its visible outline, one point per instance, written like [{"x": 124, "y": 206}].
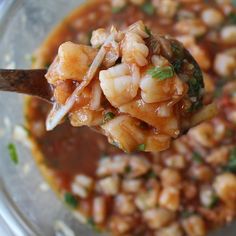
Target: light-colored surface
[{"x": 24, "y": 208}]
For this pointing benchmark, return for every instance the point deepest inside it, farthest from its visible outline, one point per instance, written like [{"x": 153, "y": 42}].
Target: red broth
[{"x": 67, "y": 151}]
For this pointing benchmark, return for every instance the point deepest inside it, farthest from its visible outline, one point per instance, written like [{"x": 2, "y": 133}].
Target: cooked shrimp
[
  {"x": 134, "y": 50},
  {"x": 155, "y": 90},
  {"x": 71, "y": 63},
  {"x": 194, "y": 27},
  {"x": 117, "y": 84},
  {"x": 125, "y": 131},
  {"x": 148, "y": 113},
  {"x": 98, "y": 37}
]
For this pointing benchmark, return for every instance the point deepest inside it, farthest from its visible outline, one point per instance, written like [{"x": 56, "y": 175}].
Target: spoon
[{"x": 30, "y": 82}]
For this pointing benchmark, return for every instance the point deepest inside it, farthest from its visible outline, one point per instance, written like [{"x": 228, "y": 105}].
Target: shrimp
[
  {"x": 148, "y": 113},
  {"x": 155, "y": 90},
  {"x": 203, "y": 134},
  {"x": 71, "y": 63},
  {"x": 194, "y": 27},
  {"x": 124, "y": 131},
  {"x": 85, "y": 116},
  {"x": 166, "y": 8},
  {"x": 127, "y": 133},
  {"x": 225, "y": 63},
  {"x": 118, "y": 85},
  {"x": 133, "y": 48},
  {"x": 98, "y": 37}
]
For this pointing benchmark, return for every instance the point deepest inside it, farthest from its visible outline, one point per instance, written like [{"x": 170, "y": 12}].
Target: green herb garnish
[
  {"x": 70, "y": 200},
  {"x": 231, "y": 166},
  {"x": 103, "y": 156},
  {"x": 91, "y": 221},
  {"x": 161, "y": 73},
  {"x": 116, "y": 10},
  {"x": 148, "y": 31},
  {"x": 231, "y": 19},
  {"x": 33, "y": 59},
  {"x": 108, "y": 116},
  {"x": 229, "y": 133},
  {"x": 141, "y": 147},
  {"x": 128, "y": 169},
  {"x": 218, "y": 92},
  {"x": 214, "y": 201},
  {"x": 13, "y": 153},
  {"x": 197, "y": 157},
  {"x": 151, "y": 174},
  {"x": 185, "y": 214},
  {"x": 148, "y": 8},
  {"x": 47, "y": 65}
]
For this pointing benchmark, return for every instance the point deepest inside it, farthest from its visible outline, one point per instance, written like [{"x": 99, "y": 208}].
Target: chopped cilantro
[
  {"x": 46, "y": 66},
  {"x": 229, "y": 133},
  {"x": 108, "y": 116},
  {"x": 161, "y": 73},
  {"x": 103, "y": 156},
  {"x": 148, "y": 31},
  {"x": 91, "y": 221},
  {"x": 231, "y": 166},
  {"x": 197, "y": 157},
  {"x": 128, "y": 169},
  {"x": 218, "y": 92},
  {"x": 148, "y": 8},
  {"x": 186, "y": 213},
  {"x": 151, "y": 174},
  {"x": 142, "y": 147},
  {"x": 70, "y": 200},
  {"x": 13, "y": 153},
  {"x": 116, "y": 10},
  {"x": 214, "y": 201},
  {"x": 33, "y": 59},
  {"x": 231, "y": 19}
]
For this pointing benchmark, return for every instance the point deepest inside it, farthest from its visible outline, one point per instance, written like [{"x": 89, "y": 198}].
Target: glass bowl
[{"x": 27, "y": 205}]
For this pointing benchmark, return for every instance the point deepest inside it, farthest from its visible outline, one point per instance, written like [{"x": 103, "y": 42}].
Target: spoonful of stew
[{"x": 140, "y": 90}]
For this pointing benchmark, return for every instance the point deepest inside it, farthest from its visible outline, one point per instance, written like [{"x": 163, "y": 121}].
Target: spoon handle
[{"x": 31, "y": 82}]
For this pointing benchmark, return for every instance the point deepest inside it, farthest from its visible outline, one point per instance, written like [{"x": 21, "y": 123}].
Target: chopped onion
[
  {"x": 135, "y": 79},
  {"x": 206, "y": 113},
  {"x": 59, "y": 111},
  {"x": 96, "y": 96}
]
